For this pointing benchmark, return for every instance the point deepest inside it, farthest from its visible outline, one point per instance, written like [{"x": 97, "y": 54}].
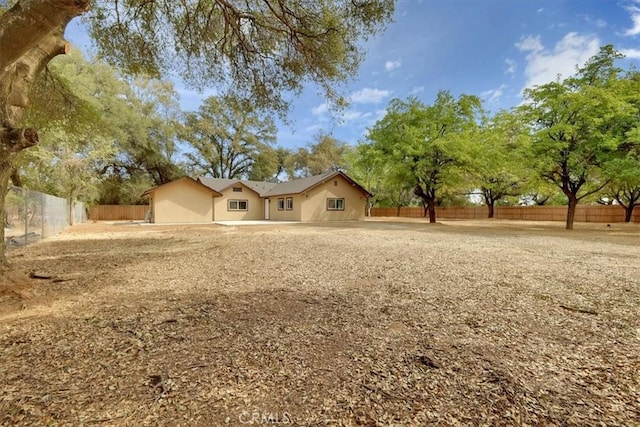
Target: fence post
[
  {"x": 42, "y": 211},
  {"x": 25, "y": 195}
]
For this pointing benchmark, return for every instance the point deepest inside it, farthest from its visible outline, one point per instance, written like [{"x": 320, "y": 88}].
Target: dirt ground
[{"x": 374, "y": 323}]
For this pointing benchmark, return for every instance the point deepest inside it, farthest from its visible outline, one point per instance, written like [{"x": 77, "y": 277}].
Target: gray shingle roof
[
  {"x": 269, "y": 189},
  {"x": 221, "y": 184},
  {"x": 297, "y": 186}
]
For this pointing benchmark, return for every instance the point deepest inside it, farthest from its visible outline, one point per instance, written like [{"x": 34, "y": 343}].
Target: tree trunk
[
  {"x": 429, "y": 199},
  {"x": 628, "y": 212},
  {"x": 70, "y": 204},
  {"x": 31, "y": 34},
  {"x": 431, "y": 207},
  {"x": 571, "y": 211},
  {"x": 491, "y": 206}
]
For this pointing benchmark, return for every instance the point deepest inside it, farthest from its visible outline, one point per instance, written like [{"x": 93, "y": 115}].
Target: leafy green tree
[
  {"x": 539, "y": 192},
  {"x": 624, "y": 186},
  {"x": 69, "y": 168},
  {"x": 263, "y": 49},
  {"x": 496, "y": 168},
  {"x": 135, "y": 117},
  {"x": 227, "y": 135},
  {"x": 575, "y": 125},
  {"x": 425, "y": 145},
  {"x": 140, "y": 115},
  {"x": 369, "y": 167},
  {"x": 326, "y": 154},
  {"x": 363, "y": 165},
  {"x": 297, "y": 164},
  {"x": 624, "y": 169},
  {"x": 269, "y": 164}
]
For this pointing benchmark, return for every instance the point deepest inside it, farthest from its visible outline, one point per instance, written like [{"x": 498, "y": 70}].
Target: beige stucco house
[
  {"x": 184, "y": 200},
  {"x": 325, "y": 197},
  {"x": 240, "y": 200}
]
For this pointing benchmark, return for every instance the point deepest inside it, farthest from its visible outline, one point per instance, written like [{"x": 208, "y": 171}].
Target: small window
[
  {"x": 335, "y": 183},
  {"x": 289, "y": 203},
  {"x": 238, "y": 205},
  {"x": 237, "y": 189},
  {"x": 335, "y": 204},
  {"x": 280, "y": 204}
]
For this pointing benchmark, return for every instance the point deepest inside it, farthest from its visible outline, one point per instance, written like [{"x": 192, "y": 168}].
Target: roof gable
[
  {"x": 222, "y": 184},
  {"x": 269, "y": 189},
  {"x": 183, "y": 179},
  {"x": 301, "y": 185}
]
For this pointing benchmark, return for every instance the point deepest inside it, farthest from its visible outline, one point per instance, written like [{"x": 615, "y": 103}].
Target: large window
[
  {"x": 335, "y": 204},
  {"x": 238, "y": 205},
  {"x": 280, "y": 204},
  {"x": 289, "y": 203}
]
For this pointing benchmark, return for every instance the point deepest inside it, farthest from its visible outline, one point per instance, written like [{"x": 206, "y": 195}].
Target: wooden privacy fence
[
  {"x": 584, "y": 213},
  {"x": 118, "y": 212}
]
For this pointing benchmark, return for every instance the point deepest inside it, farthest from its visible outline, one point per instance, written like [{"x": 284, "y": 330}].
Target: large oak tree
[
  {"x": 265, "y": 49},
  {"x": 226, "y": 135}
]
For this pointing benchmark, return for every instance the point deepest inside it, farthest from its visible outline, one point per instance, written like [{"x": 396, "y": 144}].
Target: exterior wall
[
  {"x": 314, "y": 207},
  {"x": 286, "y": 215},
  {"x": 255, "y": 206},
  {"x": 182, "y": 202}
]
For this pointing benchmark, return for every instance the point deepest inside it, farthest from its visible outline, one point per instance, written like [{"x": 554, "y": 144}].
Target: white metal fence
[{"x": 30, "y": 216}]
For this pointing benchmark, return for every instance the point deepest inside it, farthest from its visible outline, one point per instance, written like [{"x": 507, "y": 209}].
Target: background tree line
[
  {"x": 572, "y": 140},
  {"x": 129, "y": 134}
]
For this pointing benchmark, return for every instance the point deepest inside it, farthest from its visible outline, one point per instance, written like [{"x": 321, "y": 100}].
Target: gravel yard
[{"x": 372, "y": 323}]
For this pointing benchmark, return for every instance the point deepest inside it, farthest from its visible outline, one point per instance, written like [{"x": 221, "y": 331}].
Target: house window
[
  {"x": 335, "y": 204},
  {"x": 280, "y": 204},
  {"x": 289, "y": 203},
  {"x": 237, "y": 189},
  {"x": 238, "y": 205}
]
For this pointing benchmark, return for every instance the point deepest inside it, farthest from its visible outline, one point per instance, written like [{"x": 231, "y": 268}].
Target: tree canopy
[
  {"x": 227, "y": 135},
  {"x": 259, "y": 48},
  {"x": 425, "y": 144},
  {"x": 576, "y": 126}
]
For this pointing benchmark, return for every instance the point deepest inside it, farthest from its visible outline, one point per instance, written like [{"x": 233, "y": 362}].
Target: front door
[{"x": 266, "y": 208}]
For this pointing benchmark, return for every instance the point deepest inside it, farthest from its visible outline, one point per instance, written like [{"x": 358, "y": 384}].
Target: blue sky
[{"x": 490, "y": 48}]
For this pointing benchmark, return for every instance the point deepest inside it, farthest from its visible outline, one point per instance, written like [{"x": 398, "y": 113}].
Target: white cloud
[
  {"x": 320, "y": 110},
  {"x": 493, "y": 95},
  {"x": 512, "y": 65},
  {"x": 392, "y": 65},
  {"x": 601, "y": 23},
  {"x": 544, "y": 66},
  {"x": 530, "y": 44},
  {"x": 634, "y": 11},
  {"x": 314, "y": 128},
  {"x": 369, "y": 96},
  {"x": 351, "y": 116},
  {"x": 416, "y": 90},
  {"x": 631, "y": 53}
]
